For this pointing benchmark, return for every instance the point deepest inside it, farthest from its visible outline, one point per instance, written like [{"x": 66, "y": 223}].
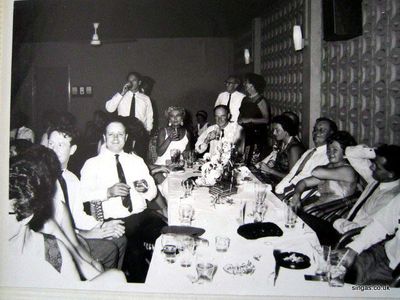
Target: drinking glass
[
  {"x": 222, "y": 243},
  {"x": 260, "y": 209},
  {"x": 186, "y": 213},
  {"x": 188, "y": 186},
  {"x": 187, "y": 251},
  {"x": 189, "y": 158},
  {"x": 175, "y": 155},
  {"x": 141, "y": 185},
  {"x": 323, "y": 253},
  {"x": 290, "y": 215},
  {"x": 260, "y": 192},
  {"x": 336, "y": 270},
  {"x": 205, "y": 268},
  {"x": 169, "y": 247}
]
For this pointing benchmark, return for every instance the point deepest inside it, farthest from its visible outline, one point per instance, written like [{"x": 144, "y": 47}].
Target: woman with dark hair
[
  {"x": 19, "y": 128},
  {"x": 174, "y": 136},
  {"x": 254, "y": 117},
  {"x": 31, "y": 190},
  {"x": 287, "y": 149}
]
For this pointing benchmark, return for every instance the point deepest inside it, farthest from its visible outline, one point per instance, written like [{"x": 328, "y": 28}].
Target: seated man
[
  {"x": 380, "y": 168},
  {"x": 123, "y": 183},
  {"x": 222, "y": 131},
  {"x": 310, "y": 159},
  {"x": 373, "y": 261},
  {"x": 105, "y": 241}
]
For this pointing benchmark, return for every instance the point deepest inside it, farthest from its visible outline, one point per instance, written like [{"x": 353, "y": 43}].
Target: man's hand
[
  {"x": 348, "y": 260},
  {"x": 108, "y": 230},
  {"x": 117, "y": 226},
  {"x": 211, "y": 136},
  {"x": 126, "y": 88},
  {"x": 118, "y": 189},
  {"x": 97, "y": 265}
]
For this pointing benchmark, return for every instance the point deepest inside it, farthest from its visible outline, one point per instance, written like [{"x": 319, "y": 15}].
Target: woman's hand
[
  {"x": 265, "y": 168},
  {"x": 295, "y": 201},
  {"x": 173, "y": 135},
  {"x": 212, "y": 136}
]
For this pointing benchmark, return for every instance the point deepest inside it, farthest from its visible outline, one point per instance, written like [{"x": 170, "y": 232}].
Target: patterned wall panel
[
  {"x": 281, "y": 66},
  {"x": 360, "y": 82}
]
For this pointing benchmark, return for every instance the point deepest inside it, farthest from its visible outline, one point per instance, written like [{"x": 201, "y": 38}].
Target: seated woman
[
  {"x": 287, "y": 149},
  {"x": 254, "y": 117},
  {"x": 336, "y": 183},
  {"x": 174, "y": 136},
  {"x": 31, "y": 189}
]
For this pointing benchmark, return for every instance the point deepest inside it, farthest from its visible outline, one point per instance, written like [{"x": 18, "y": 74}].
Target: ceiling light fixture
[{"x": 95, "y": 38}]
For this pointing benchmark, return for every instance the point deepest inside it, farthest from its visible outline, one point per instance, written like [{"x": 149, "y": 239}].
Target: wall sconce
[
  {"x": 95, "y": 38},
  {"x": 247, "y": 57},
  {"x": 298, "y": 40}
]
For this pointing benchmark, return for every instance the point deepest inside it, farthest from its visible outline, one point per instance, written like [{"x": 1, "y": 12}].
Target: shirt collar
[
  {"x": 321, "y": 148},
  {"x": 389, "y": 185},
  {"x": 107, "y": 152}
]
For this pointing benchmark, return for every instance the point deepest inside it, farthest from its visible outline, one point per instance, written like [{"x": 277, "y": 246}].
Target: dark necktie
[
  {"x": 132, "y": 112},
  {"x": 303, "y": 163},
  {"x": 229, "y": 101},
  {"x": 355, "y": 211},
  {"x": 16, "y": 133},
  {"x": 222, "y": 133},
  {"x": 64, "y": 189},
  {"x": 126, "y": 201}
]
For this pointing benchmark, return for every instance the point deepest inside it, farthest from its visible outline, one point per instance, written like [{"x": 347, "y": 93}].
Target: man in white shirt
[
  {"x": 122, "y": 102},
  {"x": 378, "y": 168},
  {"x": 373, "y": 254},
  {"x": 222, "y": 131},
  {"x": 231, "y": 97},
  {"x": 105, "y": 241},
  {"x": 311, "y": 159},
  {"x": 123, "y": 183}
]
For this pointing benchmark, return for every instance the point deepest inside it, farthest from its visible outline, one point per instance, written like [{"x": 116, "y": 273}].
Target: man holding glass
[{"x": 123, "y": 183}]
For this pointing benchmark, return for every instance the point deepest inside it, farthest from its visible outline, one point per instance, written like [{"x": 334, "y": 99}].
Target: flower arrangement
[{"x": 213, "y": 169}]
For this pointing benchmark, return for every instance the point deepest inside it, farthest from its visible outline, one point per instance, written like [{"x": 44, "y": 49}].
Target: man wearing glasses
[{"x": 231, "y": 97}]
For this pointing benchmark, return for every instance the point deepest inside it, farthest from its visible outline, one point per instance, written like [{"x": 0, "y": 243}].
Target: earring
[
  {"x": 169, "y": 124},
  {"x": 182, "y": 123}
]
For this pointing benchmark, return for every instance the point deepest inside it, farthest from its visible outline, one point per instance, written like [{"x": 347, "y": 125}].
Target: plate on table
[
  {"x": 184, "y": 230},
  {"x": 255, "y": 231},
  {"x": 293, "y": 260}
]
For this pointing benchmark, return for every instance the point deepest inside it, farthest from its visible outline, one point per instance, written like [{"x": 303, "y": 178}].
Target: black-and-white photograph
[{"x": 232, "y": 148}]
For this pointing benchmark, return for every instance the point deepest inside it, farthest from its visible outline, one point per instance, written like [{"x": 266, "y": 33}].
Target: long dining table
[{"x": 223, "y": 220}]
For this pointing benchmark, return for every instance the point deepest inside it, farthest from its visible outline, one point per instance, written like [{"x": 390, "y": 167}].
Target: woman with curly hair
[{"x": 174, "y": 136}]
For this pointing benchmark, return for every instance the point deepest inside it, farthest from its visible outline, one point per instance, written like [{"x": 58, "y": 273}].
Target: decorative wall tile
[{"x": 360, "y": 77}]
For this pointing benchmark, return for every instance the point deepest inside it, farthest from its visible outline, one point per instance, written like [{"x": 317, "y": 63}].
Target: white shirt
[
  {"x": 379, "y": 199},
  {"x": 82, "y": 220},
  {"x": 231, "y": 135},
  {"x": 360, "y": 159},
  {"x": 386, "y": 221},
  {"x": 143, "y": 108},
  {"x": 100, "y": 173},
  {"x": 24, "y": 133},
  {"x": 319, "y": 158},
  {"x": 234, "y": 106}
]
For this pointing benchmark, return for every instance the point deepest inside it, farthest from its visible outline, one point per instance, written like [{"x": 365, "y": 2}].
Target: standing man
[
  {"x": 105, "y": 242},
  {"x": 231, "y": 97},
  {"x": 132, "y": 103},
  {"x": 123, "y": 183}
]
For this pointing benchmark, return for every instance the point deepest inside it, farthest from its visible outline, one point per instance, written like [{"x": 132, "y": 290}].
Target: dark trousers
[
  {"x": 110, "y": 253},
  {"x": 144, "y": 227},
  {"x": 327, "y": 235},
  {"x": 371, "y": 267}
]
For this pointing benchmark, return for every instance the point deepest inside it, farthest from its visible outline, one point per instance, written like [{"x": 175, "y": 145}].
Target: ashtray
[{"x": 240, "y": 269}]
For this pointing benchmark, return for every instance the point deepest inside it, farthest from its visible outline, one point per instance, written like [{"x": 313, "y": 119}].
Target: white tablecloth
[{"x": 223, "y": 220}]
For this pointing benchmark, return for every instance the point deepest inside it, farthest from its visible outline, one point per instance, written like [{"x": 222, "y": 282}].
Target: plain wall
[{"x": 188, "y": 72}]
